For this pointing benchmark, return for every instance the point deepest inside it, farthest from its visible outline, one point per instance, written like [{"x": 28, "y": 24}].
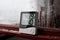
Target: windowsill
[{"x": 47, "y": 34}]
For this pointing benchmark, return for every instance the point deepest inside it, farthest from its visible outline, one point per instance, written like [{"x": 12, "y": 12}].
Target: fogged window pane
[{"x": 49, "y": 15}]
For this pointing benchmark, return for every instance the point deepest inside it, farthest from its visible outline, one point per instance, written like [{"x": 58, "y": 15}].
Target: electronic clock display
[{"x": 27, "y": 20}]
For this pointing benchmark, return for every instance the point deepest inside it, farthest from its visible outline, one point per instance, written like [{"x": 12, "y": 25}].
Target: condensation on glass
[{"x": 49, "y": 15}]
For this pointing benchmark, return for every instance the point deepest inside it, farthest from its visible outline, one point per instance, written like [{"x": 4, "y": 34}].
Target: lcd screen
[{"x": 27, "y": 19}]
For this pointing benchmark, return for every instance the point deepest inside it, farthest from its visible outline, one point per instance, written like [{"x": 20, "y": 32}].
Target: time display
[{"x": 27, "y": 19}]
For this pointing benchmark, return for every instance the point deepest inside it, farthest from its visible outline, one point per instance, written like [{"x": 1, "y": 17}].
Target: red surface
[
  {"x": 9, "y": 27},
  {"x": 51, "y": 32},
  {"x": 39, "y": 37},
  {"x": 48, "y": 34}
]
